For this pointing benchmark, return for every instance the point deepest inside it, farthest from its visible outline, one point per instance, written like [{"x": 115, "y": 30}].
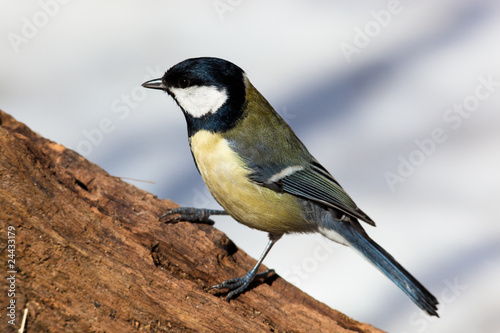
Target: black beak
[{"x": 155, "y": 84}]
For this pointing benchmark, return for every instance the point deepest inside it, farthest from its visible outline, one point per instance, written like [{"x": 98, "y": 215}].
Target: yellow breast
[{"x": 226, "y": 176}]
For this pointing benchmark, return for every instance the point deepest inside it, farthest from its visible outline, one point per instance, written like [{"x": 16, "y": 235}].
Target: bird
[{"x": 262, "y": 175}]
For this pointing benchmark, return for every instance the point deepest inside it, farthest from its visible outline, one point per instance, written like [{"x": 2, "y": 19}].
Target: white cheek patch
[{"x": 200, "y": 100}]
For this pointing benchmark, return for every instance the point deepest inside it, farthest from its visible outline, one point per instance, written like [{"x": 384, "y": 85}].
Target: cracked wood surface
[{"x": 92, "y": 256}]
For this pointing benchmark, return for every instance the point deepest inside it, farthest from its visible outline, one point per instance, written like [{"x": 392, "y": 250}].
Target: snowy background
[{"x": 398, "y": 99}]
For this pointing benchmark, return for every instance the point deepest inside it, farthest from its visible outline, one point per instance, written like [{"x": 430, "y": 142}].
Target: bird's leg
[
  {"x": 189, "y": 214},
  {"x": 239, "y": 284}
]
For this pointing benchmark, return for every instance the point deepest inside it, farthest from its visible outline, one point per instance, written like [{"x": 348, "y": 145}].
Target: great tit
[{"x": 262, "y": 174}]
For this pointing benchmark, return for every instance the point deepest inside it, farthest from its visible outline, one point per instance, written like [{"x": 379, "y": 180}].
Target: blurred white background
[{"x": 402, "y": 90}]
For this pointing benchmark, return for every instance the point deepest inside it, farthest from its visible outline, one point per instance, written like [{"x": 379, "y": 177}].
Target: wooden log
[{"x": 91, "y": 256}]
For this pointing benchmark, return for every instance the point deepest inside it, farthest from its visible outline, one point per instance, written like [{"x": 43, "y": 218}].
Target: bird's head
[{"x": 210, "y": 92}]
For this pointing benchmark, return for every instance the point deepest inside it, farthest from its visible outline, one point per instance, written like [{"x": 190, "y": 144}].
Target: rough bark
[{"x": 91, "y": 256}]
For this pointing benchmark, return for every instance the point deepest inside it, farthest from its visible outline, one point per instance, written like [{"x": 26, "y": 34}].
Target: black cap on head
[
  {"x": 221, "y": 76},
  {"x": 204, "y": 72}
]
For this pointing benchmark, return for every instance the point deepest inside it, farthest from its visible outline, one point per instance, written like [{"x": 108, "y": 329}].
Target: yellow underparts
[{"x": 226, "y": 176}]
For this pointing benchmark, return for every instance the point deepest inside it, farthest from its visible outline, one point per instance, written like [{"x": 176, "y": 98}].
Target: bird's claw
[
  {"x": 189, "y": 214},
  {"x": 239, "y": 284}
]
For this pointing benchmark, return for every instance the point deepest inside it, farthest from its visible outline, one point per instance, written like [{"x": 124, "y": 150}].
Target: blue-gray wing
[
  {"x": 310, "y": 182},
  {"x": 279, "y": 161}
]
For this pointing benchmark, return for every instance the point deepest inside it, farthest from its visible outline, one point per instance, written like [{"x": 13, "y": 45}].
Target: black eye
[{"x": 183, "y": 82}]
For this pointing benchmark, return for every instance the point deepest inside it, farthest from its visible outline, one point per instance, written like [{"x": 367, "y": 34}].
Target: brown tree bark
[{"x": 91, "y": 256}]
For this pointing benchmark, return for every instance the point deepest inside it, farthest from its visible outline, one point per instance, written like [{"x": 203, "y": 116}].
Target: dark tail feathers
[{"x": 384, "y": 262}]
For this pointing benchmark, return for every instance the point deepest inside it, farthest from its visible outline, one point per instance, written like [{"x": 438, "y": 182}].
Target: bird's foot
[
  {"x": 240, "y": 284},
  {"x": 189, "y": 214}
]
